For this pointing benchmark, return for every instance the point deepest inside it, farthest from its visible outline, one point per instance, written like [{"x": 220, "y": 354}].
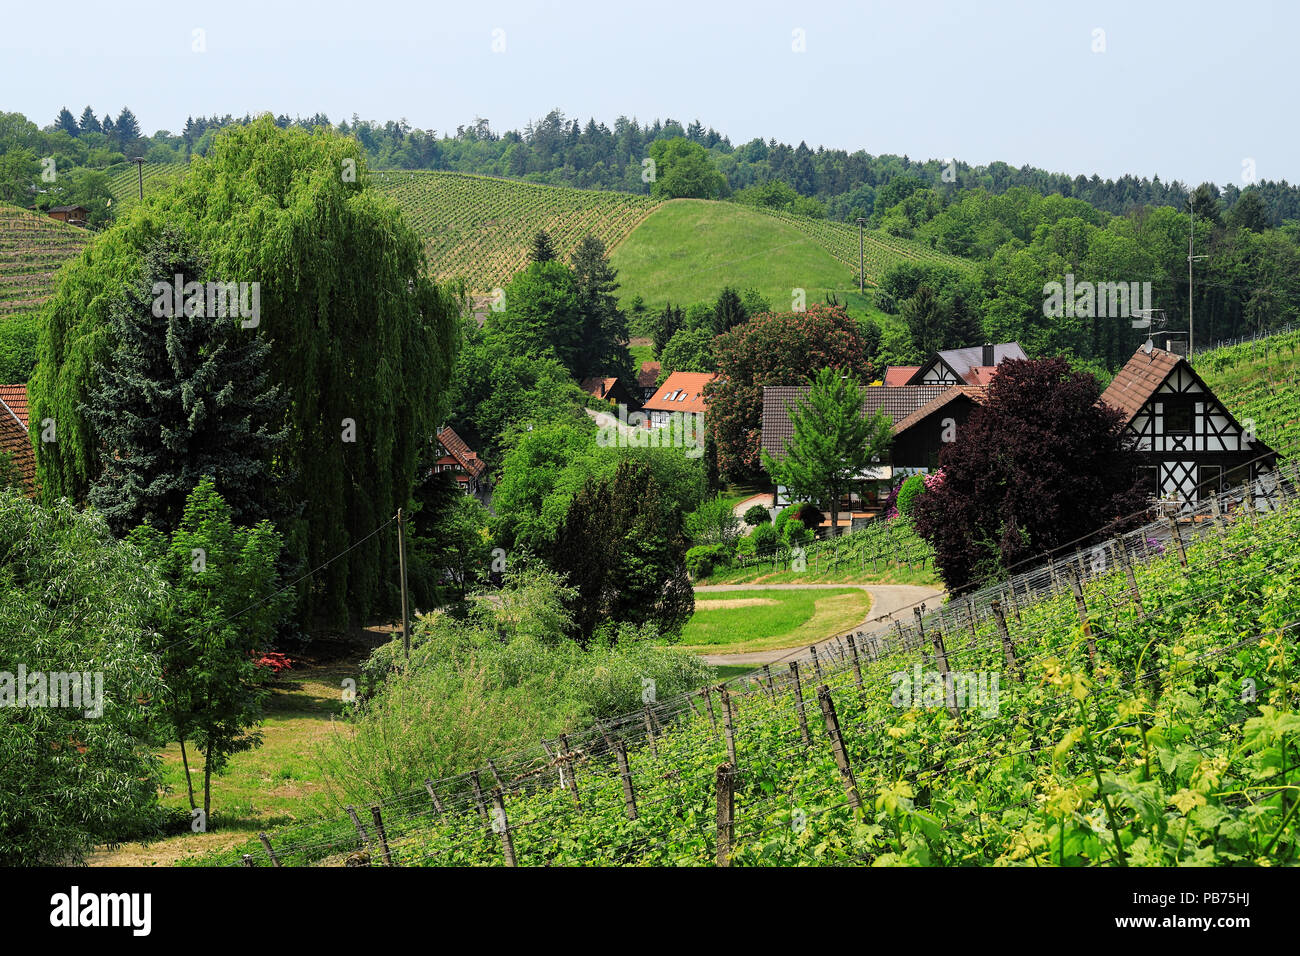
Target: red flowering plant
[{"x": 273, "y": 661}]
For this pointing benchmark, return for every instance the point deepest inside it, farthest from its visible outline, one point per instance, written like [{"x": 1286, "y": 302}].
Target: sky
[{"x": 1189, "y": 91}]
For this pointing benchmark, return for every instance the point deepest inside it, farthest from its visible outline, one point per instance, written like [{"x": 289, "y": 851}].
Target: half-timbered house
[{"x": 1190, "y": 445}]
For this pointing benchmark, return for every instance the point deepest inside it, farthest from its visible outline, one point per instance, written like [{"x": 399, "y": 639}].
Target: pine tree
[
  {"x": 543, "y": 249},
  {"x": 67, "y": 123},
  {"x": 728, "y": 311},
  {"x": 604, "y": 326},
  {"x": 88, "y": 123},
  {"x": 181, "y": 397},
  {"x": 128, "y": 129},
  {"x": 665, "y": 326}
]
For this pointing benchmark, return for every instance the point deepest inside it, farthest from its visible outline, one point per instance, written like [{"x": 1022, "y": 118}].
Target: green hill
[
  {"x": 688, "y": 249},
  {"x": 32, "y": 248}
]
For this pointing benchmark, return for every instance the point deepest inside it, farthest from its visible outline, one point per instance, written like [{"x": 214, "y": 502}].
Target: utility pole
[
  {"x": 862, "y": 271},
  {"x": 139, "y": 165},
  {"x": 401, "y": 561},
  {"x": 1191, "y": 238}
]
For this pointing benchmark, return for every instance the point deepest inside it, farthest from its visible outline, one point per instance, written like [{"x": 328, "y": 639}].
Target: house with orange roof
[{"x": 681, "y": 392}]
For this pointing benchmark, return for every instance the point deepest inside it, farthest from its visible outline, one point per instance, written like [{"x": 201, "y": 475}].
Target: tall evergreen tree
[
  {"x": 543, "y": 249},
  {"x": 728, "y": 311},
  {"x": 603, "y": 349},
  {"x": 88, "y": 122},
  {"x": 182, "y": 396},
  {"x": 127, "y": 127},
  {"x": 622, "y": 549},
  {"x": 665, "y": 325},
  {"x": 67, "y": 122}
]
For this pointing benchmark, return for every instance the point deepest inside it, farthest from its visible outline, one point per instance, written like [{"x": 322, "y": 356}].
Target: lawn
[
  {"x": 742, "y": 621},
  {"x": 271, "y": 785}
]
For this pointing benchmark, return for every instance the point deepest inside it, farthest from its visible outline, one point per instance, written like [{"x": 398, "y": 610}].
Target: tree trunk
[
  {"x": 185, "y": 761},
  {"x": 207, "y": 788}
]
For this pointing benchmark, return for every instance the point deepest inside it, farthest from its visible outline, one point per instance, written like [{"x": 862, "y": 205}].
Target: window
[
  {"x": 1149, "y": 480},
  {"x": 1178, "y": 418}
]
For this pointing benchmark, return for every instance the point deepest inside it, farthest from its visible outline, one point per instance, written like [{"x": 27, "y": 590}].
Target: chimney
[{"x": 988, "y": 354}]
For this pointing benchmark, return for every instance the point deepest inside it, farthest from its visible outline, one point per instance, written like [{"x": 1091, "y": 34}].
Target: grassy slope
[
  {"x": 688, "y": 249},
  {"x": 32, "y": 248},
  {"x": 1260, "y": 381},
  {"x": 742, "y": 621}
]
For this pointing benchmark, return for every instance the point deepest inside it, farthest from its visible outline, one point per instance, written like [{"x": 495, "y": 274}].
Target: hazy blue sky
[{"x": 1184, "y": 90}]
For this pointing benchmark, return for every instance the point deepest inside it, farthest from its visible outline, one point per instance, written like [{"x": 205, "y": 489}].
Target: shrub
[
  {"x": 496, "y": 682},
  {"x": 908, "y": 492},
  {"x": 713, "y": 522},
  {"x": 756, "y": 515},
  {"x": 765, "y": 539},
  {"x": 703, "y": 558},
  {"x": 745, "y": 547}
]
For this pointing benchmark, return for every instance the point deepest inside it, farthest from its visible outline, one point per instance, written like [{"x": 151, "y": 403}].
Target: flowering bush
[{"x": 274, "y": 661}]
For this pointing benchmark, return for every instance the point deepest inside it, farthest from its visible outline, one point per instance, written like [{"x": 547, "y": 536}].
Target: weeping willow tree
[{"x": 362, "y": 340}]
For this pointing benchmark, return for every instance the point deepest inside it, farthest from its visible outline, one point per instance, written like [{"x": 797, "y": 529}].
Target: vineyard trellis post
[
  {"x": 724, "y": 787},
  {"x": 798, "y": 704},
  {"x": 625, "y": 772},
  {"x": 383, "y": 837},
  {"x": 502, "y": 825},
  {"x": 837, "y": 746}
]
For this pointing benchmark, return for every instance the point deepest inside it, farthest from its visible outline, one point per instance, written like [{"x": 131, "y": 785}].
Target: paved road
[{"x": 887, "y": 601}]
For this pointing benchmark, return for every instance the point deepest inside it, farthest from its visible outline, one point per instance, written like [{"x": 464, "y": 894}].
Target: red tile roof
[
  {"x": 15, "y": 397},
  {"x": 648, "y": 374},
  {"x": 456, "y": 447},
  {"x": 16, "y": 448},
  {"x": 897, "y": 375},
  {"x": 599, "y": 387},
  {"x": 1134, "y": 384},
  {"x": 981, "y": 375},
  {"x": 680, "y": 392}
]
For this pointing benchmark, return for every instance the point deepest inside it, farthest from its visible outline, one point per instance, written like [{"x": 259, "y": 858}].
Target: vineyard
[
  {"x": 480, "y": 229},
  {"x": 32, "y": 248},
  {"x": 880, "y": 251},
  {"x": 124, "y": 181},
  {"x": 1260, "y": 381},
  {"x": 1132, "y": 704},
  {"x": 870, "y": 551}
]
